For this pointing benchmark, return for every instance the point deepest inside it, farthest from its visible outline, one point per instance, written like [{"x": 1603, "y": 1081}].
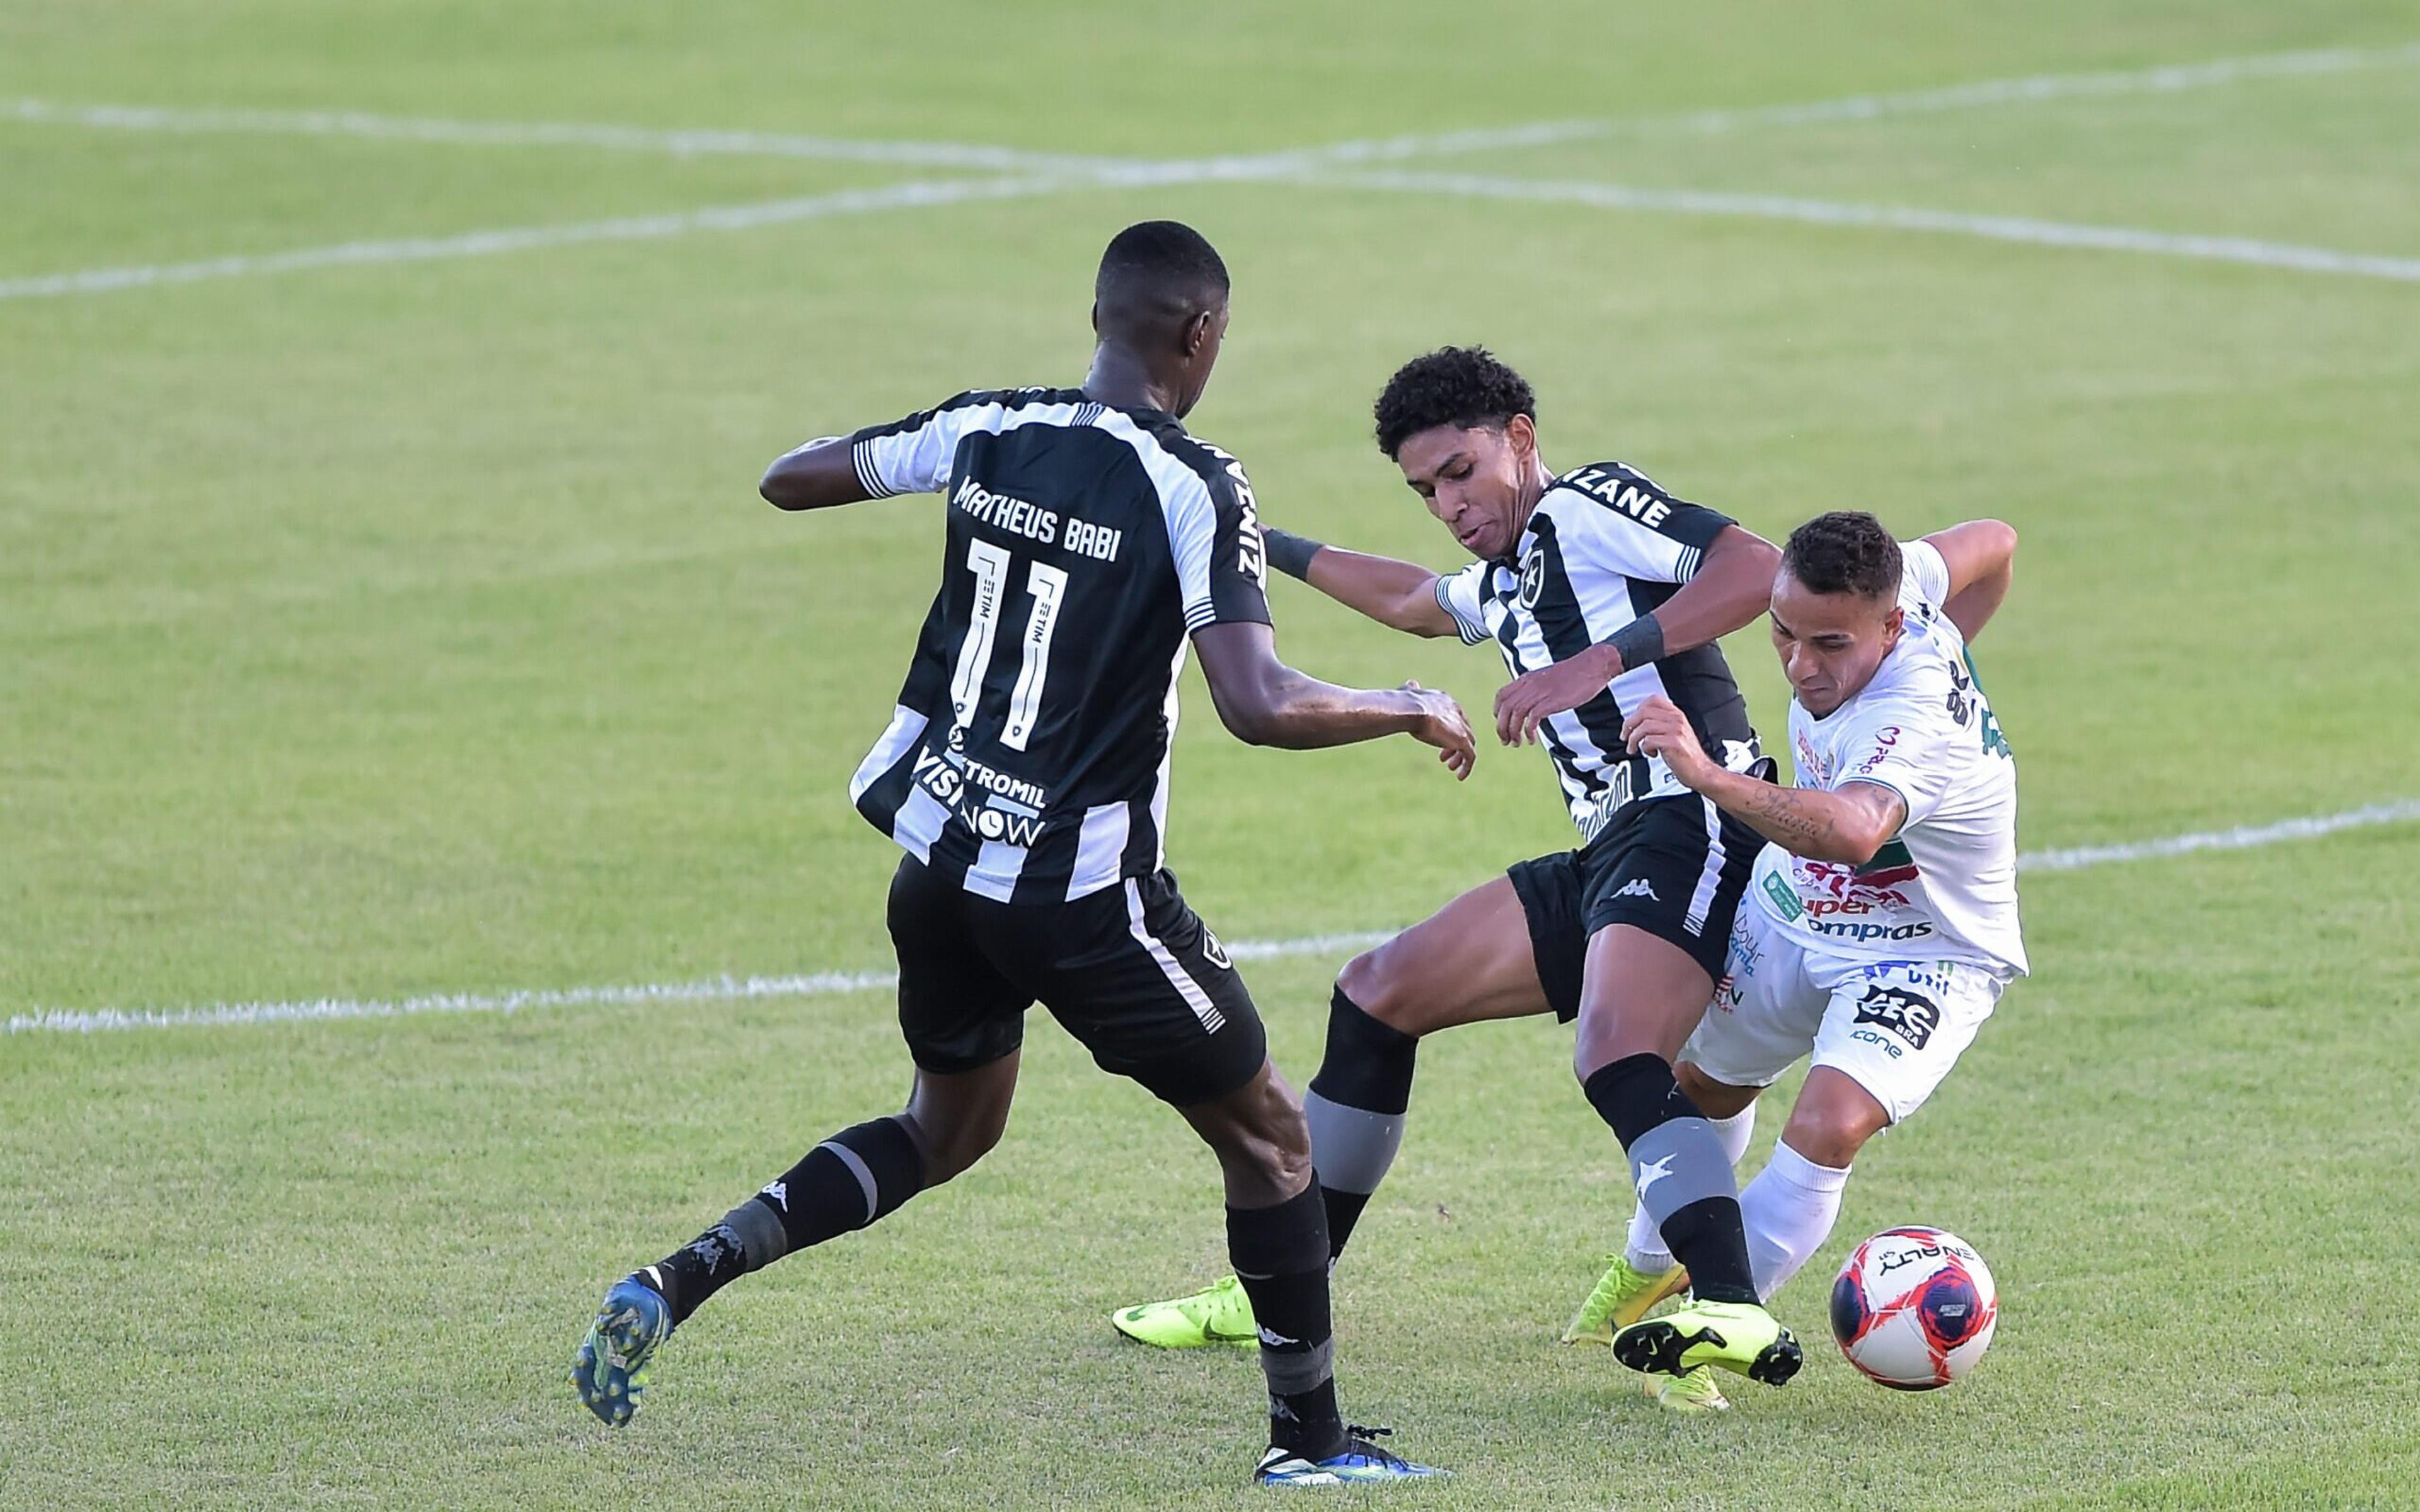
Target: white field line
[
  {"x": 924, "y": 193},
  {"x": 2247, "y": 838},
  {"x": 676, "y": 143},
  {"x": 1888, "y": 218},
  {"x": 2028, "y": 89},
  {"x": 739, "y": 989},
  {"x": 705, "y": 990},
  {"x": 914, "y": 194},
  {"x": 1057, "y": 172},
  {"x": 2032, "y": 89}
]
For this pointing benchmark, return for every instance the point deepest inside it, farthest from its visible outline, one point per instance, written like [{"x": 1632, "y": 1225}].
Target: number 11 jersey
[{"x": 1027, "y": 759}]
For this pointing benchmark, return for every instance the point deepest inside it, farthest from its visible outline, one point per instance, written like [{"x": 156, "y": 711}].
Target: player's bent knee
[
  {"x": 952, "y": 1139},
  {"x": 1380, "y": 985},
  {"x": 1834, "y": 1119}
]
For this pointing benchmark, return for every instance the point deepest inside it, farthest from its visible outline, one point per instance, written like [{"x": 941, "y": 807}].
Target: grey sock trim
[
  {"x": 758, "y": 1229},
  {"x": 1677, "y": 1162},
  {"x": 1351, "y": 1148},
  {"x": 857, "y": 1167},
  {"x": 1294, "y": 1374}
]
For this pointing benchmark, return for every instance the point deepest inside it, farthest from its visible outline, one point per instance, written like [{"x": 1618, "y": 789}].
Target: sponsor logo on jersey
[
  {"x": 950, "y": 781},
  {"x": 939, "y": 776},
  {"x": 1622, "y": 785},
  {"x": 1840, "y": 929},
  {"x": 1884, "y": 740},
  {"x": 1006, "y": 827},
  {"x": 1902, "y": 1012},
  {"x": 1638, "y": 887},
  {"x": 1885, "y": 882},
  {"x": 1783, "y": 897}
]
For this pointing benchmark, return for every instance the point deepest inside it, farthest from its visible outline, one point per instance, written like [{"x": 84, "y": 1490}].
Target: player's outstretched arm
[
  {"x": 1848, "y": 826},
  {"x": 1732, "y": 586},
  {"x": 1401, "y": 595},
  {"x": 818, "y": 476},
  {"x": 1981, "y": 555},
  {"x": 1263, "y": 701}
]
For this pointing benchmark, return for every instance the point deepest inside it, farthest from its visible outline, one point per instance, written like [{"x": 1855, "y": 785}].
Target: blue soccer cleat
[
  {"x": 1359, "y": 1461},
  {"x": 610, "y": 1368}
]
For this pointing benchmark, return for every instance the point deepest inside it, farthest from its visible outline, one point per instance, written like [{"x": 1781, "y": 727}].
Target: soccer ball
[{"x": 1915, "y": 1309}]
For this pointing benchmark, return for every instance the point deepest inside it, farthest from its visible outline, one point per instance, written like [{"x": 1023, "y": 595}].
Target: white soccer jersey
[{"x": 1946, "y": 887}]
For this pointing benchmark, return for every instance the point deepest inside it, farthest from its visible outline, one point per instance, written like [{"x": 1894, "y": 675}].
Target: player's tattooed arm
[
  {"x": 1981, "y": 556},
  {"x": 1849, "y": 826},
  {"x": 818, "y": 476}
]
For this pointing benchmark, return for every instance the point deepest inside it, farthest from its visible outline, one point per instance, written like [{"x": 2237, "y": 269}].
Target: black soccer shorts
[
  {"x": 1675, "y": 867},
  {"x": 1130, "y": 971}
]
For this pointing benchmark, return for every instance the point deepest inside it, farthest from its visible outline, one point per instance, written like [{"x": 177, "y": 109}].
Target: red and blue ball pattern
[{"x": 1915, "y": 1309}]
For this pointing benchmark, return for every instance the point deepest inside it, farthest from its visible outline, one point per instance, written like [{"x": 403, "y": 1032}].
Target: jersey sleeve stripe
[
  {"x": 1471, "y": 634},
  {"x": 869, "y": 476}
]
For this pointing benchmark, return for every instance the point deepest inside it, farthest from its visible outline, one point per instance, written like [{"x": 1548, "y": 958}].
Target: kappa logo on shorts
[
  {"x": 1905, "y": 1015},
  {"x": 1638, "y": 887}
]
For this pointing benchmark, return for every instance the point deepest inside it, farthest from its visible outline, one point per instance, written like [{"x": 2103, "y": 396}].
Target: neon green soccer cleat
[
  {"x": 1739, "y": 1337},
  {"x": 1623, "y": 1297},
  {"x": 1220, "y": 1314},
  {"x": 1696, "y": 1391}
]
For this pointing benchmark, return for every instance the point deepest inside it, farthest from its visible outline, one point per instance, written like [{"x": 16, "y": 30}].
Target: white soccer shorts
[{"x": 1894, "y": 1027}]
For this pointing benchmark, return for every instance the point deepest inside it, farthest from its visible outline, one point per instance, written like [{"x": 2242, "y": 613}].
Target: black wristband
[
  {"x": 1639, "y": 642},
  {"x": 1290, "y": 553}
]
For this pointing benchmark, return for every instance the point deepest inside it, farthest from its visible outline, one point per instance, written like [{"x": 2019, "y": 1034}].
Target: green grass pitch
[{"x": 411, "y": 627}]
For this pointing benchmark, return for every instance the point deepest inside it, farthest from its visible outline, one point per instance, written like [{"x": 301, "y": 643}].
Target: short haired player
[
  {"x": 1881, "y": 925},
  {"x": 1090, "y": 539}
]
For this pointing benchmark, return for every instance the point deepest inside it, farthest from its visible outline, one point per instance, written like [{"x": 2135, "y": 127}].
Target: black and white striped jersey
[
  {"x": 1027, "y": 758},
  {"x": 1605, "y": 547}
]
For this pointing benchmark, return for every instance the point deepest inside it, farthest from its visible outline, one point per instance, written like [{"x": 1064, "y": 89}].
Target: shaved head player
[{"x": 1025, "y": 774}]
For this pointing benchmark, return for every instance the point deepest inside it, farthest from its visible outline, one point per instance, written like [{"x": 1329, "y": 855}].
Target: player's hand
[
  {"x": 1442, "y": 725},
  {"x": 1658, "y": 728},
  {"x": 1523, "y": 705}
]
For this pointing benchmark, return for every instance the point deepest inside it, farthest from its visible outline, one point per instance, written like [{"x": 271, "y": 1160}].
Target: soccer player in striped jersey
[
  {"x": 1025, "y": 772},
  {"x": 1601, "y": 591},
  {"x": 1882, "y": 923}
]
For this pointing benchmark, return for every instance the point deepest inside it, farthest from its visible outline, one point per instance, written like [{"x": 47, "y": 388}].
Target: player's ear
[
  {"x": 1521, "y": 433},
  {"x": 1097, "y": 319},
  {"x": 1195, "y": 333}
]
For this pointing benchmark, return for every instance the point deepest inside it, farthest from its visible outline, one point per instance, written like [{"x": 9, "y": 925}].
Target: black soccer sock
[
  {"x": 1681, "y": 1172},
  {"x": 856, "y": 1176},
  {"x": 1355, "y": 1111},
  {"x": 1280, "y": 1256}
]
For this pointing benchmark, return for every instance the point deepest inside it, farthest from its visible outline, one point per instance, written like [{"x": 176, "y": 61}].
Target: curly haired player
[{"x": 1601, "y": 592}]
